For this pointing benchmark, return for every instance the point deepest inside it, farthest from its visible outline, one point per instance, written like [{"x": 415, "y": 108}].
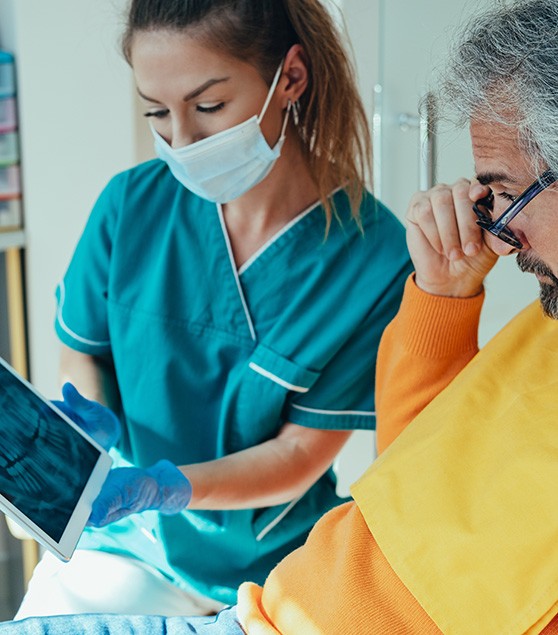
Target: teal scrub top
[{"x": 210, "y": 360}]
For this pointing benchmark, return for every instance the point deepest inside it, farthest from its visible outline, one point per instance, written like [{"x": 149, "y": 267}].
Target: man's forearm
[{"x": 426, "y": 345}]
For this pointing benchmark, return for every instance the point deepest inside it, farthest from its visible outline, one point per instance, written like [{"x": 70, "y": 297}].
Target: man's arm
[
  {"x": 429, "y": 342},
  {"x": 434, "y": 335}
]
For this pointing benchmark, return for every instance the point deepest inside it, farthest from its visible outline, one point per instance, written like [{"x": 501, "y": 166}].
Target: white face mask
[{"x": 227, "y": 164}]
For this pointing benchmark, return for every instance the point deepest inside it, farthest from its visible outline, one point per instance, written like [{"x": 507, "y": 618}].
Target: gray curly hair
[{"x": 504, "y": 68}]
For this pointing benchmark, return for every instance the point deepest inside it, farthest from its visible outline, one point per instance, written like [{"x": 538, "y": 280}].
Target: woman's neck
[{"x": 258, "y": 215}]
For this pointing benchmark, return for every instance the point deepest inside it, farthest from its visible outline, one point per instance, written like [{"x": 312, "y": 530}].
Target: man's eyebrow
[
  {"x": 486, "y": 178},
  {"x": 195, "y": 93}
]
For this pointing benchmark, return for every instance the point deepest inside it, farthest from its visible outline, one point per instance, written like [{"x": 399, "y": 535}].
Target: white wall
[
  {"x": 403, "y": 45},
  {"x": 398, "y": 44},
  {"x": 76, "y": 99}
]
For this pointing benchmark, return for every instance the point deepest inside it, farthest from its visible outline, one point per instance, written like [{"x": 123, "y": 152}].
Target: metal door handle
[
  {"x": 426, "y": 125},
  {"x": 377, "y": 142},
  {"x": 427, "y": 134}
]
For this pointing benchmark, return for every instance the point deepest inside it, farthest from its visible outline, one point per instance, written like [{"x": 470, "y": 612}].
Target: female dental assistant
[{"x": 233, "y": 291}]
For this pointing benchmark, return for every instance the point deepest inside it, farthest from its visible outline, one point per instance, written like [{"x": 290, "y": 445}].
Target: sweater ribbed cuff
[{"x": 437, "y": 326}]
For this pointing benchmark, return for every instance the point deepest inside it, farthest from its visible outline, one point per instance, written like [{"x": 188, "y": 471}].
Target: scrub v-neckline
[
  {"x": 234, "y": 271},
  {"x": 266, "y": 248},
  {"x": 271, "y": 241}
]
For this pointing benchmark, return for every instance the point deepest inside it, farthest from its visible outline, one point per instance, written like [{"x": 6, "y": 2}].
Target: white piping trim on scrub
[
  {"x": 66, "y": 328},
  {"x": 278, "y": 235},
  {"x": 275, "y": 238},
  {"x": 336, "y": 413},
  {"x": 235, "y": 272},
  {"x": 263, "y": 533},
  {"x": 277, "y": 380}
]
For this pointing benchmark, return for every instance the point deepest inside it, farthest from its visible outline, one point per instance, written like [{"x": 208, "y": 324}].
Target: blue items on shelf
[
  {"x": 7, "y": 75},
  {"x": 8, "y": 120},
  {"x": 10, "y": 182}
]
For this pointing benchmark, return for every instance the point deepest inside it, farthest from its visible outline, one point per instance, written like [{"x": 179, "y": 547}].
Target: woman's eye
[
  {"x": 210, "y": 109},
  {"x": 159, "y": 114}
]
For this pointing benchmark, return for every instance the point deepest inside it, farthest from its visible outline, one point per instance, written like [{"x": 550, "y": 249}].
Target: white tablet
[{"x": 50, "y": 471}]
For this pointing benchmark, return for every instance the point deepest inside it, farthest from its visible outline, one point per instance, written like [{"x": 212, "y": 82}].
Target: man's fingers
[
  {"x": 445, "y": 212},
  {"x": 421, "y": 215},
  {"x": 470, "y": 234},
  {"x": 477, "y": 190},
  {"x": 445, "y": 217}
]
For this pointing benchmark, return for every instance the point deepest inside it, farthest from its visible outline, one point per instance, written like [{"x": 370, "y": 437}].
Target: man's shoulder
[{"x": 530, "y": 319}]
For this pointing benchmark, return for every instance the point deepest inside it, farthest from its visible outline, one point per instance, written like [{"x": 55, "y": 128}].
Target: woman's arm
[
  {"x": 268, "y": 474},
  {"x": 91, "y": 375},
  {"x": 272, "y": 473},
  {"x": 83, "y": 371},
  {"x": 275, "y": 472}
]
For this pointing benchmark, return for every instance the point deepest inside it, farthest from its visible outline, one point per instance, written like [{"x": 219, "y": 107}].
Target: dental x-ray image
[{"x": 44, "y": 462}]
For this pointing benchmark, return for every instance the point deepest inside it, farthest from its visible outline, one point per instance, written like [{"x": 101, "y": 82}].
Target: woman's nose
[
  {"x": 179, "y": 141},
  {"x": 181, "y": 136}
]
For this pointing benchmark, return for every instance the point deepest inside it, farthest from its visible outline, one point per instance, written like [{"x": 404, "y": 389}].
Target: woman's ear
[{"x": 294, "y": 77}]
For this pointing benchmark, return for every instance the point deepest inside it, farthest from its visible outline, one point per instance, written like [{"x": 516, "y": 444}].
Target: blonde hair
[{"x": 331, "y": 120}]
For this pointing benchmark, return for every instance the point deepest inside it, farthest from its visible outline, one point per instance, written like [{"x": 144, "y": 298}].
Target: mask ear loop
[
  {"x": 271, "y": 91},
  {"x": 286, "y": 119}
]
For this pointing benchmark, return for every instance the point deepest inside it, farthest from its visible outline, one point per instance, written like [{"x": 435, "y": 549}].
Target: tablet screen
[{"x": 44, "y": 462}]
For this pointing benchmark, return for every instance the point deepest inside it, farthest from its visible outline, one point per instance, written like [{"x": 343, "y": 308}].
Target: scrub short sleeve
[
  {"x": 81, "y": 318},
  {"x": 342, "y": 398}
]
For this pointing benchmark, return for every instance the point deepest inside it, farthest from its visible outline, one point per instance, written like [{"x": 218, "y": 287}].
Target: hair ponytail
[{"x": 332, "y": 120}]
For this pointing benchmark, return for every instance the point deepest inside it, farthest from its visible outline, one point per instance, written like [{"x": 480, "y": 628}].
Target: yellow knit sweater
[{"x": 340, "y": 582}]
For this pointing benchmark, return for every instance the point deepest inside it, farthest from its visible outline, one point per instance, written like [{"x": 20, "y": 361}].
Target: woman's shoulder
[
  {"x": 376, "y": 221},
  {"x": 373, "y": 211},
  {"x": 148, "y": 185},
  {"x": 139, "y": 193},
  {"x": 142, "y": 176}
]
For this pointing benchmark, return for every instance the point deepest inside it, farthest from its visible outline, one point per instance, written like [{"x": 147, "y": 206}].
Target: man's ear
[{"x": 294, "y": 77}]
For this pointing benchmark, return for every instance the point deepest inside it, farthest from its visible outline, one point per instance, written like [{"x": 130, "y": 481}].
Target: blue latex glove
[
  {"x": 98, "y": 421},
  {"x": 129, "y": 490}
]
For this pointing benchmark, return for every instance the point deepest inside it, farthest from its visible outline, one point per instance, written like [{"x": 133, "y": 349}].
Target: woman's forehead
[{"x": 160, "y": 57}]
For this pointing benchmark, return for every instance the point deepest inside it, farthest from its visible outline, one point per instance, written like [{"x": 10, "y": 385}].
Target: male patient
[{"x": 454, "y": 527}]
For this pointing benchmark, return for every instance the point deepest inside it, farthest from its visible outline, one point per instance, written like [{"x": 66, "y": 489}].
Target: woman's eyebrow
[
  {"x": 198, "y": 91},
  {"x": 195, "y": 93}
]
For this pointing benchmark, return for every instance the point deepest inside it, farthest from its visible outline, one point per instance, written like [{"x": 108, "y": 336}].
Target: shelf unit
[
  {"x": 12, "y": 236},
  {"x": 13, "y": 335}
]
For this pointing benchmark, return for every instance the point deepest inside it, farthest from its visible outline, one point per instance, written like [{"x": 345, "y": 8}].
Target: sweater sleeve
[
  {"x": 427, "y": 344},
  {"x": 338, "y": 582}
]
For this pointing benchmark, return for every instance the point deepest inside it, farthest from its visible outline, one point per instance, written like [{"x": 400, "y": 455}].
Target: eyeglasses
[{"x": 483, "y": 209}]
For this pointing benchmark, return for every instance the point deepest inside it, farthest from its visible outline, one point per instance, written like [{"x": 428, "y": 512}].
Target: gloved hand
[
  {"x": 98, "y": 421},
  {"x": 129, "y": 490}
]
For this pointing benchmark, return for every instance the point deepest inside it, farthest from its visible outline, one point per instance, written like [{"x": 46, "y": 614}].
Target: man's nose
[{"x": 499, "y": 246}]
